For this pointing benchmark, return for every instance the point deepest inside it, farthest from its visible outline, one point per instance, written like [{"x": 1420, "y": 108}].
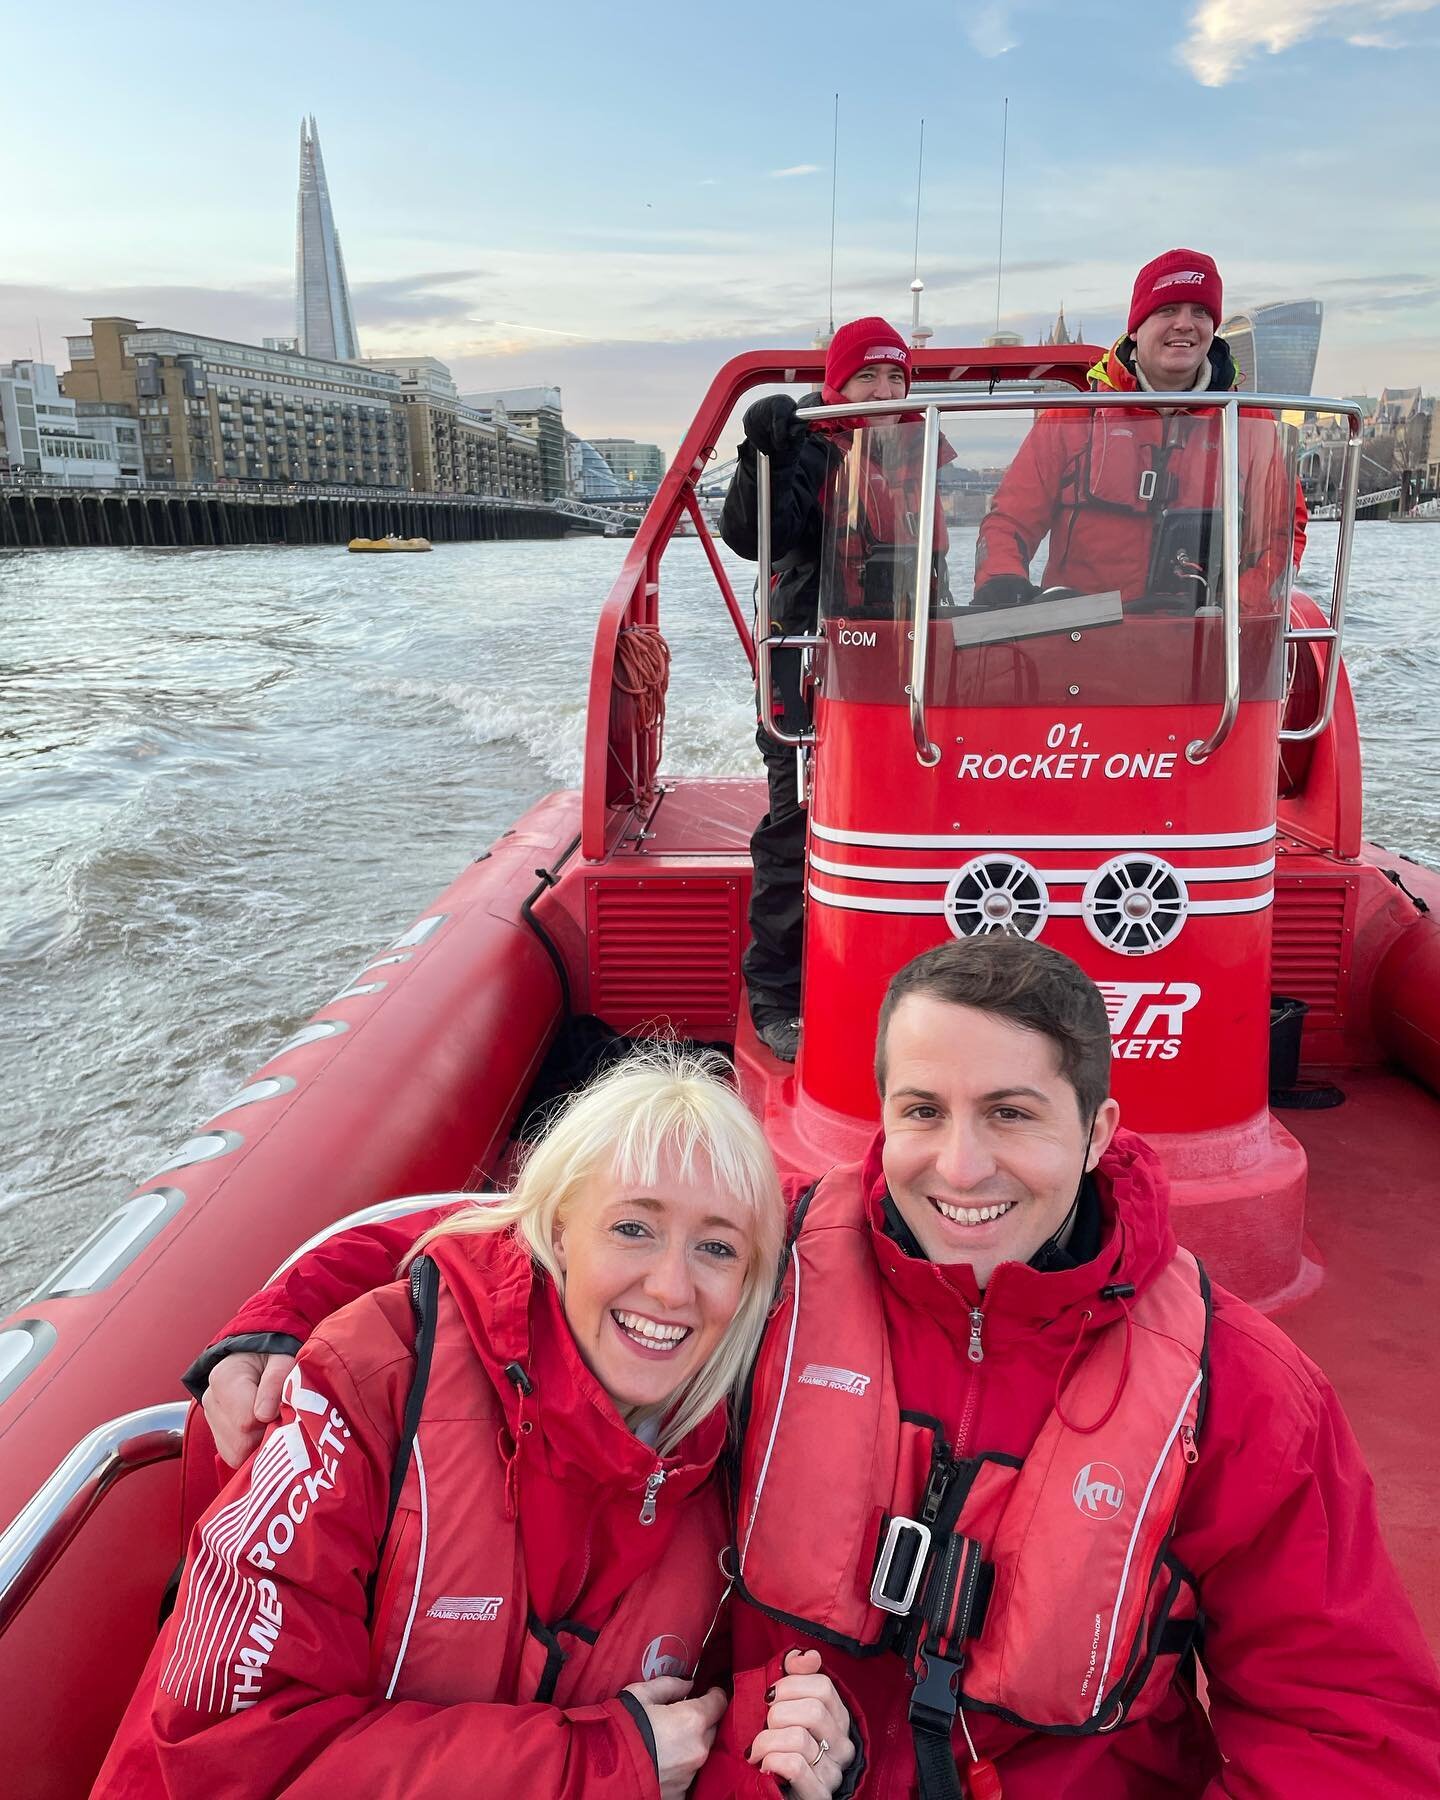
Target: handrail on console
[
  {"x": 633, "y": 597},
  {"x": 1229, "y": 405}
]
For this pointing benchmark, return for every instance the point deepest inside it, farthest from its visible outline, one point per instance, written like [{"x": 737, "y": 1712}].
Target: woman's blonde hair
[{"x": 661, "y": 1100}]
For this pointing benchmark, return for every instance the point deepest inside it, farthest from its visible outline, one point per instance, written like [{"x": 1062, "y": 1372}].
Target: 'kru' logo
[
  {"x": 665, "y": 1655},
  {"x": 1099, "y": 1490}
]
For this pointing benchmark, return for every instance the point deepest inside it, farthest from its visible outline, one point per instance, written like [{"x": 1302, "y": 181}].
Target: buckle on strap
[
  {"x": 900, "y": 1566},
  {"x": 936, "y": 1699}
]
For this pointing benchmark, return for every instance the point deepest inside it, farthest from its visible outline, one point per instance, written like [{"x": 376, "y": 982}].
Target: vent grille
[
  {"x": 664, "y": 949},
  {"x": 1311, "y": 956}
]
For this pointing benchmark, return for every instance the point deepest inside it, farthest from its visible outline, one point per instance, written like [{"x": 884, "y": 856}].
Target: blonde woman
[{"x": 481, "y": 1551}]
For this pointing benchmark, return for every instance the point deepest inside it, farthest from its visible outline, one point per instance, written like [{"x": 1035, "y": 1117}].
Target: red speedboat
[{"x": 1170, "y": 792}]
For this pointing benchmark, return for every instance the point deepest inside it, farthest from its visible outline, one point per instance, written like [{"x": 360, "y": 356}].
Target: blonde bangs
[{"x": 662, "y": 1103}]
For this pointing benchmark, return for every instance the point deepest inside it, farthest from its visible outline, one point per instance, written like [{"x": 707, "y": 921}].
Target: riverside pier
[{"x": 34, "y": 517}]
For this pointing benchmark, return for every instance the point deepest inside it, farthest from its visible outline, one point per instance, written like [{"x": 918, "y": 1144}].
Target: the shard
[{"x": 324, "y": 323}]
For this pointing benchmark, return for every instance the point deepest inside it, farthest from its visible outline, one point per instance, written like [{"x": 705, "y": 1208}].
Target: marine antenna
[
  {"x": 1000, "y": 253},
  {"x": 918, "y": 333},
  {"x": 919, "y": 177},
  {"x": 834, "y": 178}
]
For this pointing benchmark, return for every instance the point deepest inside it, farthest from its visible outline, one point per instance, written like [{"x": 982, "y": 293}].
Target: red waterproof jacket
[
  {"x": 1320, "y": 1681},
  {"x": 1097, "y": 483},
  {"x": 482, "y": 1642}
]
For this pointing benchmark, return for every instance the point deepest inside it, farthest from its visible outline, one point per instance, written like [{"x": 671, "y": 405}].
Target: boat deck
[{"x": 1374, "y": 1200}]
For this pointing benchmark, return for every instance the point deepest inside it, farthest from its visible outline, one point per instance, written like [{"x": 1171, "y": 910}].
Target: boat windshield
[{"x": 1075, "y": 553}]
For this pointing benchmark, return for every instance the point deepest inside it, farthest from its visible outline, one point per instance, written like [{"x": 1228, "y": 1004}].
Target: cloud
[
  {"x": 1226, "y": 34},
  {"x": 414, "y": 299},
  {"x": 1367, "y": 295},
  {"x": 243, "y": 312},
  {"x": 991, "y": 30},
  {"x": 795, "y": 169}
]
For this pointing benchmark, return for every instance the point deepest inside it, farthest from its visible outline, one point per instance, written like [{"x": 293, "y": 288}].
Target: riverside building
[
  {"x": 536, "y": 411},
  {"x": 1275, "y": 346},
  {"x": 210, "y": 410},
  {"x": 641, "y": 464},
  {"x": 457, "y": 448},
  {"x": 43, "y": 436}
]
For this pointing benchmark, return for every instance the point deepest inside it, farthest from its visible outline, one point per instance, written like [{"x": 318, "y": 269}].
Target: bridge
[
  {"x": 1365, "y": 503},
  {"x": 612, "y": 518}
]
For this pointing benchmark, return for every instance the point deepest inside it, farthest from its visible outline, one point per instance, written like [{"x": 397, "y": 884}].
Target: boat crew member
[
  {"x": 479, "y": 1552},
  {"x": 1102, "y": 485},
  {"x": 867, "y": 360},
  {"x": 1066, "y": 1519}
]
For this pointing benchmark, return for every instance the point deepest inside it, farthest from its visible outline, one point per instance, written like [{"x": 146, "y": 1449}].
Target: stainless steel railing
[
  {"x": 32, "y": 1543},
  {"x": 1230, "y": 405},
  {"x": 765, "y": 645}
]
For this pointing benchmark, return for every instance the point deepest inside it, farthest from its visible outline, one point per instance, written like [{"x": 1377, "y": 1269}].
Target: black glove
[
  {"x": 771, "y": 425},
  {"x": 1004, "y": 590}
]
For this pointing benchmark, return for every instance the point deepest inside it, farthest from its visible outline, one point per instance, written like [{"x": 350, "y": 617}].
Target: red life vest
[
  {"x": 1041, "y": 1591},
  {"x": 452, "y": 1619},
  {"x": 872, "y": 503}
]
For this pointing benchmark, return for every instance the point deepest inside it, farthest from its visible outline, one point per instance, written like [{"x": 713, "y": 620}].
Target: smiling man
[
  {"x": 1021, "y": 1472},
  {"x": 1112, "y": 488},
  {"x": 998, "y": 1184}
]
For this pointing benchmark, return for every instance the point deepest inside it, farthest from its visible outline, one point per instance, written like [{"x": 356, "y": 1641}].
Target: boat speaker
[
  {"x": 1135, "y": 904},
  {"x": 997, "y": 894}
]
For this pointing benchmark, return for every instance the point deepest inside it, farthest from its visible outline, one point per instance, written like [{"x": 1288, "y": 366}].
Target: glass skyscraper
[
  {"x": 1275, "y": 346},
  {"x": 323, "y": 321}
]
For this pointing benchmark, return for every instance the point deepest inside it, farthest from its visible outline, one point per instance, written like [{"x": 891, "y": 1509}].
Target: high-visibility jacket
[{"x": 1098, "y": 485}]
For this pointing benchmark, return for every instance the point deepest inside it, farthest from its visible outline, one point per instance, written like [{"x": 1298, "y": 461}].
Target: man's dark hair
[{"x": 1027, "y": 983}]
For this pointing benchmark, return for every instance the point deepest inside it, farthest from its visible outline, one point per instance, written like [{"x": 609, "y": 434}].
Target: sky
[{"x": 615, "y": 199}]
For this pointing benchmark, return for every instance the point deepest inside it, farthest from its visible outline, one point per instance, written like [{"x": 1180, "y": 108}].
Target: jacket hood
[
  {"x": 1116, "y": 368},
  {"x": 1136, "y": 1243},
  {"x": 567, "y": 1421}
]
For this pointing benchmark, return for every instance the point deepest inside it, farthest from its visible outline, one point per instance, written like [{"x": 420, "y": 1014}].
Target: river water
[{"x": 226, "y": 776}]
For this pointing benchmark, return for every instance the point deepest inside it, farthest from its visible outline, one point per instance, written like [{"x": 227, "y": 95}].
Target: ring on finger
[{"x": 824, "y": 1746}]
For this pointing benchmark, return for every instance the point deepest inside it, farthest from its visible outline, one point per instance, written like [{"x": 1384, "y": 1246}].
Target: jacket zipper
[
  {"x": 976, "y": 1355},
  {"x": 653, "y": 1484}
]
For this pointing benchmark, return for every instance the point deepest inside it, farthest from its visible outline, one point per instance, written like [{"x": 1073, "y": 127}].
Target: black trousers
[{"x": 771, "y": 963}]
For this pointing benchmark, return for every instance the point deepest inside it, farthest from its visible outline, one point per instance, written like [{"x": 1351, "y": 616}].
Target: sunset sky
[{"x": 614, "y": 199}]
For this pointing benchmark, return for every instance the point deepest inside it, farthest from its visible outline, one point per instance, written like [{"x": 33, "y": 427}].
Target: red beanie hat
[
  {"x": 864, "y": 341},
  {"x": 1176, "y": 276}
]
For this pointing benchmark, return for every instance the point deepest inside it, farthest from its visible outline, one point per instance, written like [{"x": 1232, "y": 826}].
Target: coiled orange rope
[
  {"x": 642, "y": 670},
  {"x": 642, "y": 674}
]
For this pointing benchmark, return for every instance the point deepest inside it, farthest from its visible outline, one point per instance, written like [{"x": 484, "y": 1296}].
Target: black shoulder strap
[
  {"x": 424, "y": 1304},
  {"x": 797, "y": 1218}
]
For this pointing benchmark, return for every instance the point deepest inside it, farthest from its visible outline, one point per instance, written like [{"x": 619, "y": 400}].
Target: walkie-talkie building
[
  {"x": 323, "y": 320},
  {"x": 1275, "y": 346}
]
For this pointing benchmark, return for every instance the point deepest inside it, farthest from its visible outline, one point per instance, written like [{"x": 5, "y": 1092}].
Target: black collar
[{"x": 1084, "y": 1245}]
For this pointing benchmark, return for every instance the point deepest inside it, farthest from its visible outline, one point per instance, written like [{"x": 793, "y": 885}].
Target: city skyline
[{"x": 622, "y": 251}]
